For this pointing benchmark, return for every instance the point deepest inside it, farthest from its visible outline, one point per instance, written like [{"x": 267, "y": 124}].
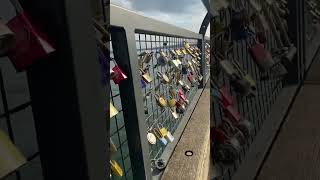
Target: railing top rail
[{"x": 130, "y": 20}]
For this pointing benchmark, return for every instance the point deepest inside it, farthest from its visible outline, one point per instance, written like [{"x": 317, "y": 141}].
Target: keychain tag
[
  {"x": 113, "y": 111},
  {"x": 116, "y": 169}
]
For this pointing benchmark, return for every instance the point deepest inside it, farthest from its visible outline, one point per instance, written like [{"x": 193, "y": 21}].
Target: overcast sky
[{"x": 183, "y": 13}]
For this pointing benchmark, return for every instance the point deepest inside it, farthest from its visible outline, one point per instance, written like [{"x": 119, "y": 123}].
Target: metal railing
[
  {"x": 254, "y": 109},
  {"x": 141, "y": 109}
]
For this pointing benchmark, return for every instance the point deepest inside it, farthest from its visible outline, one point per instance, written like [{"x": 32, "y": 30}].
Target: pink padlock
[
  {"x": 31, "y": 44},
  {"x": 118, "y": 75},
  {"x": 182, "y": 96}
]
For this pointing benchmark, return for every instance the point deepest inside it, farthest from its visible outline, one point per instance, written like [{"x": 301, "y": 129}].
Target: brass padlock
[
  {"x": 163, "y": 77},
  {"x": 7, "y": 39},
  {"x": 145, "y": 76},
  {"x": 176, "y": 63},
  {"x": 186, "y": 45},
  {"x": 10, "y": 157},
  {"x": 113, "y": 111},
  {"x": 161, "y": 101},
  {"x": 145, "y": 57},
  {"x": 116, "y": 169},
  {"x": 178, "y": 52}
]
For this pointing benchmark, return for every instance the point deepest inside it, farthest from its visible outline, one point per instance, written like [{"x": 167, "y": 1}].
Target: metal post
[
  {"x": 124, "y": 49},
  {"x": 294, "y": 24},
  {"x": 67, "y": 96}
]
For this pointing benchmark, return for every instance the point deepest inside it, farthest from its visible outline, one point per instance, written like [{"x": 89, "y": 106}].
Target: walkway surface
[{"x": 295, "y": 154}]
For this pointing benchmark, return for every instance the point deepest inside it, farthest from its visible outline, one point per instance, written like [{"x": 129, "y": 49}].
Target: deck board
[{"x": 296, "y": 152}]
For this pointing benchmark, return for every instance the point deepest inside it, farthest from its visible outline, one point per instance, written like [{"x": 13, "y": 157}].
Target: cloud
[{"x": 187, "y": 14}]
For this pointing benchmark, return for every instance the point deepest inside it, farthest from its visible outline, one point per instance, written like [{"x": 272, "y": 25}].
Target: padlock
[
  {"x": 159, "y": 164},
  {"x": 191, "y": 79},
  {"x": 172, "y": 103},
  {"x": 145, "y": 76},
  {"x": 261, "y": 56},
  {"x": 226, "y": 97},
  {"x": 186, "y": 45},
  {"x": 172, "y": 91},
  {"x": 174, "y": 113},
  {"x": 163, "y": 77},
  {"x": 118, "y": 75},
  {"x": 31, "y": 44},
  {"x": 113, "y": 147},
  {"x": 184, "y": 51},
  {"x": 184, "y": 69},
  {"x": 186, "y": 88},
  {"x": 232, "y": 114},
  {"x": 145, "y": 57},
  {"x": 246, "y": 127},
  {"x": 7, "y": 39},
  {"x": 229, "y": 69},
  {"x": 162, "y": 59},
  {"x": 179, "y": 53},
  {"x": 182, "y": 96},
  {"x": 143, "y": 83},
  {"x": 113, "y": 111},
  {"x": 152, "y": 139},
  {"x": 10, "y": 157},
  {"x": 165, "y": 133},
  {"x": 161, "y": 101},
  {"x": 180, "y": 106},
  {"x": 116, "y": 169},
  {"x": 228, "y": 153},
  {"x": 233, "y": 131},
  {"x": 162, "y": 139},
  {"x": 176, "y": 63}
]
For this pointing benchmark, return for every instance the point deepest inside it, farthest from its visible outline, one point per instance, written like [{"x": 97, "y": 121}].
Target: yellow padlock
[
  {"x": 164, "y": 132},
  {"x": 113, "y": 111},
  {"x": 172, "y": 102},
  {"x": 116, "y": 169},
  {"x": 186, "y": 45},
  {"x": 10, "y": 157},
  {"x": 184, "y": 51}
]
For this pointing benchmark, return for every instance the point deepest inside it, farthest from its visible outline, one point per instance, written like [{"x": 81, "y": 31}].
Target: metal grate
[
  {"x": 269, "y": 85},
  {"x": 154, "y": 114},
  {"x": 16, "y": 119},
  {"x": 118, "y": 131}
]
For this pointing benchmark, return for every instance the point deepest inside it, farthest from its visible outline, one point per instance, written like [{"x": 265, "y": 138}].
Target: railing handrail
[{"x": 139, "y": 23}]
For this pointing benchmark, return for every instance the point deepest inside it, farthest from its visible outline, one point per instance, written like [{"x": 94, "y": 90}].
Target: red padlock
[
  {"x": 261, "y": 56},
  {"x": 118, "y": 75},
  {"x": 31, "y": 44}
]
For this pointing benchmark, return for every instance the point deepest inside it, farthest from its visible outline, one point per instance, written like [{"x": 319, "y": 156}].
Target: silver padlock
[{"x": 160, "y": 164}]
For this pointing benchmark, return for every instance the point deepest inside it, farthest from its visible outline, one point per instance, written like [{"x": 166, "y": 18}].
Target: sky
[{"x": 187, "y": 14}]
